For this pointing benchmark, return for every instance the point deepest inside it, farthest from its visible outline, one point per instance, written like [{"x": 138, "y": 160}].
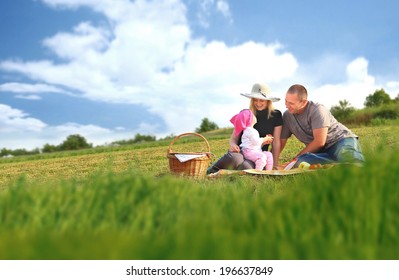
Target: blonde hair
[
  {"x": 269, "y": 107},
  {"x": 254, "y": 119}
]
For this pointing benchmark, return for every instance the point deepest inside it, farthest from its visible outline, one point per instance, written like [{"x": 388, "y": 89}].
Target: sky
[{"x": 109, "y": 69}]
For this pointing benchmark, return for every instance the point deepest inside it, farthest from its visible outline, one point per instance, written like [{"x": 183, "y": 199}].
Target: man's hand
[{"x": 319, "y": 140}]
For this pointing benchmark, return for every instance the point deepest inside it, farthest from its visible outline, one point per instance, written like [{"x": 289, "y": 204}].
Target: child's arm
[{"x": 268, "y": 139}]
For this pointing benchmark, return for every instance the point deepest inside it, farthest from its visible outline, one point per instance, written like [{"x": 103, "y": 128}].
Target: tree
[
  {"x": 75, "y": 142},
  {"x": 5, "y": 152},
  {"x": 138, "y": 138},
  {"x": 343, "y": 110},
  {"x": 379, "y": 97},
  {"x": 206, "y": 125},
  {"x": 143, "y": 138},
  {"x": 18, "y": 152},
  {"x": 47, "y": 148}
]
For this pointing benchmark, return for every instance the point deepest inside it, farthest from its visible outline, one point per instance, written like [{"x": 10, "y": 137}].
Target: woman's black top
[{"x": 266, "y": 125}]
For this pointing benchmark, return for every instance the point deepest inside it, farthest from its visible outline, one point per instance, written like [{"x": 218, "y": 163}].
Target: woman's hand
[{"x": 234, "y": 148}]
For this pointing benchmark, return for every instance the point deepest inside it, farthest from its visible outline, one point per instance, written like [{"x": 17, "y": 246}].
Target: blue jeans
[{"x": 346, "y": 150}]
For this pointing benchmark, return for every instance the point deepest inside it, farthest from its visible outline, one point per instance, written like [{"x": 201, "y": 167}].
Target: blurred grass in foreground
[{"x": 111, "y": 212}]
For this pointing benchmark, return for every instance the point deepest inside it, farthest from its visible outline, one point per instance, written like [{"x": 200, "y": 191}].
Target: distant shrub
[
  {"x": 374, "y": 116},
  {"x": 138, "y": 138},
  {"x": 74, "y": 142},
  {"x": 342, "y": 111},
  {"x": 360, "y": 117},
  {"x": 387, "y": 112},
  {"x": 206, "y": 125},
  {"x": 378, "y": 98},
  {"x": 378, "y": 121}
]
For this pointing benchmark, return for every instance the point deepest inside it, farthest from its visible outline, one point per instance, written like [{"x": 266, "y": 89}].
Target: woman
[{"x": 269, "y": 125}]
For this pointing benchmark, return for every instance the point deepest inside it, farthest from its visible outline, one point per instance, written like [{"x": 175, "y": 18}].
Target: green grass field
[{"x": 122, "y": 203}]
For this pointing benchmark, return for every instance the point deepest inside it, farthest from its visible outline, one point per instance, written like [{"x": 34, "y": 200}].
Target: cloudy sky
[{"x": 108, "y": 69}]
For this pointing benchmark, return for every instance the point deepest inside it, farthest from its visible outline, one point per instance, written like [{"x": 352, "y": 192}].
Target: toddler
[{"x": 251, "y": 143}]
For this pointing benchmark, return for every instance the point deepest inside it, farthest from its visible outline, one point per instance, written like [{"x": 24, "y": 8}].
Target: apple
[{"x": 304, "y": 165}]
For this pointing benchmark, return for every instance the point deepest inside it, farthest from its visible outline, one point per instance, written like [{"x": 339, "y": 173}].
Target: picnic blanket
[{"x": 279, "y": 172}]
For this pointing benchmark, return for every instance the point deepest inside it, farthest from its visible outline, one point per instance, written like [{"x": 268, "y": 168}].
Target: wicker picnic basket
[{"x": 195, "y": 167}]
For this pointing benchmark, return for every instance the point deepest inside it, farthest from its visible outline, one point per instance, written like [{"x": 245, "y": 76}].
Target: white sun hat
[{"x": 261, "y": 91}]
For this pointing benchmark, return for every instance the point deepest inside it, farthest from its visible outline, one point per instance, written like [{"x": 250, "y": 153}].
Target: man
[{"x": 326, "y": 140}]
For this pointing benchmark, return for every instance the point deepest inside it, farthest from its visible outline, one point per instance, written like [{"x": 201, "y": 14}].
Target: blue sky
[{"x": 108, "y": 69}]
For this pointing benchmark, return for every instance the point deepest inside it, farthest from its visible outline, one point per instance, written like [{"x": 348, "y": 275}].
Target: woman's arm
[
  {"x": 282, "y": 144},
  {"x": 276, "y": 145},
  {"x": 234, "y": 148}
]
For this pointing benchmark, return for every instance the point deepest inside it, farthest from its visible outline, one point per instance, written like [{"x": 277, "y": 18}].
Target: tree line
[
  {"x": 378, "y": 107},
  {"x": 72, "y": 142}
]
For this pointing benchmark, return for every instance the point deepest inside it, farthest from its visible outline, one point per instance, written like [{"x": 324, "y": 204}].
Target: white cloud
[
  {"x": 148, "y": 57},
  {"x": 358, "y": 85},
  {"x": 210, "y": 8},
  {"x": 28, "y": 96},
  {"x": 224, "y": 8},
  {"x": 29, "y": 88},
  {"x": 211, "y": 77},
  {"x": 86, "y": 41},
  {"x": 392, "y": 87},
  {"x": 203, "y": 13},
  {"x": 14, "y": 120},
  {"x": 30, "y": 91},
  {"x": 357, "y": 71}
]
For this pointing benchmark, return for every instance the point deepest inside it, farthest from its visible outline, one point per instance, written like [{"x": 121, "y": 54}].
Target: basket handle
[{"x": 186, "y": 134}]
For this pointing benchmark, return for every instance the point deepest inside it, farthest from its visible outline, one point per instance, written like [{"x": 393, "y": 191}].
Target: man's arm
[
  {"x": 319, "y": 140},
  {"x": 282, "y": 144}
]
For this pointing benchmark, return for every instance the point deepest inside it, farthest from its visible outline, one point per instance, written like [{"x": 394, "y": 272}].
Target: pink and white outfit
[{"x": 251, "y": 143}]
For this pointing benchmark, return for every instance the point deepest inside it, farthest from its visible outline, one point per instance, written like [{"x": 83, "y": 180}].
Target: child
[{"x": 251, "y": 143}]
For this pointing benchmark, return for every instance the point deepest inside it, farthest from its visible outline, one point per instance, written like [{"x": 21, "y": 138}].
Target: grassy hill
[{"x": 122, "y": 203}]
